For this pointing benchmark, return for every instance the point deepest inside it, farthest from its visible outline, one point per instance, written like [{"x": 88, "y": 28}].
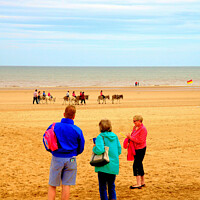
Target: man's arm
[{"x": 81, "y": 143}]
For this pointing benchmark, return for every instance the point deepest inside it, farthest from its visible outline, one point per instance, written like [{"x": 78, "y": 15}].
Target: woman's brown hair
[{"x": 105, "y": 125}]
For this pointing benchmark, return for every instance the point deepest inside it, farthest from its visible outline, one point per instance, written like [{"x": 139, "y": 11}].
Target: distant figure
[
  {"x": 49, "y": 95},
  {"x": 136, "y": 83},
  {"x": 63, "y": 163},
  {"x": 101, "y": 94},
  {"x": 35, "y": 96},
  {"x": 73, "y": 94},
  {"x": 83, "y": 98},
  {"x": 44, "y": 95},
  {"x": 38, "y": 96},
  {"x": 80, "y": 93},
  {"x": 67, "y": 95}
]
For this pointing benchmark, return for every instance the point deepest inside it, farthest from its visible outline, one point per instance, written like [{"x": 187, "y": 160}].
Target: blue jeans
[{"x": 104, "y": 180}]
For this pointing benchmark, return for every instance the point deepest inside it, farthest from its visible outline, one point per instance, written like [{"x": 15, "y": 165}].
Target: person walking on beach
[
  {"x": 38, "y": 96},
  {"x": 83, "y": 98},
  {"x": 138, "y": 137},
  {"x": 63, "y": 164},
  {"x": 35, "y": 96},
  {"x": 107, "y": 173}
]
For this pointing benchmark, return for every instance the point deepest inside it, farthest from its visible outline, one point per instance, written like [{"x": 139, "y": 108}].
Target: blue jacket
[
  {"x": 70, "y": 139},
  {"x": 112, "y": 141}
]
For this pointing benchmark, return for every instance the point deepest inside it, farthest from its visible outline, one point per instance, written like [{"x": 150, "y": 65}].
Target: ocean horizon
[{"x": 50, "y": 76}]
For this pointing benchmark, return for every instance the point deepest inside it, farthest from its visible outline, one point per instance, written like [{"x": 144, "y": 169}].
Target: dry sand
[{"x": 172, "y": 162}]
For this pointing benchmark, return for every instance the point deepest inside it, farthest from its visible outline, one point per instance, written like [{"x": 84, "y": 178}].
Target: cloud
[
  {"x": 137, "y": 6},
  {"x": 51, "y": 3},
  {"x": 56, "y": 35},
  {"x": 109, "y": 25}
]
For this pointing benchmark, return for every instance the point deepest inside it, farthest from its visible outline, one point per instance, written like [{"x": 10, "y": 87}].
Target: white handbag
[{"x": 102, "y": 159}]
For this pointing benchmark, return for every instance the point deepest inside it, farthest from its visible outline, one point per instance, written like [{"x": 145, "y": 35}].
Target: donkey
[
  {"x": 117, "y": 97},
  {"x": 103, "y": 99}
]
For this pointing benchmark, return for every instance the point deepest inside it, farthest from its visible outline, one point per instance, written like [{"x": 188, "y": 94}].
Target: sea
[{"x": 22, "y": 76}]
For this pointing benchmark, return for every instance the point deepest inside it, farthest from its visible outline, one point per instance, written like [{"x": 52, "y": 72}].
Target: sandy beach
[{"x": 172, "y": 161}]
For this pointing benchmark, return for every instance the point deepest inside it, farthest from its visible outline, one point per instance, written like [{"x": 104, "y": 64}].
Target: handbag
[{"x": 102, "y": 159}]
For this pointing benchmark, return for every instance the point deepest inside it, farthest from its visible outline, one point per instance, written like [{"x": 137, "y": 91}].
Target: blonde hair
[
  {"x": 138, "y": 118},
  {"x": 70, "y": 111},
  {"x": 105, "y": 125}
]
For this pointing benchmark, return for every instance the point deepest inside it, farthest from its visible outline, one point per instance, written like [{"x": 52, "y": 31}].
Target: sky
[{"x": 100, "y": 32}]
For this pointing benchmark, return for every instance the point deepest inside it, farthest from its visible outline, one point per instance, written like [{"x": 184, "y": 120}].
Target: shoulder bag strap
[{"x": 103, "y": 141}]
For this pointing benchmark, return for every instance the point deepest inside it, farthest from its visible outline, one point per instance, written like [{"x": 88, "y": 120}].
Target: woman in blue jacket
[{"x": 108, "y": 172}]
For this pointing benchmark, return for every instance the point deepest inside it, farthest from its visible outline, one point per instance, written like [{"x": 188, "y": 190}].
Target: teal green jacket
[{"x": 111, "y": 141}]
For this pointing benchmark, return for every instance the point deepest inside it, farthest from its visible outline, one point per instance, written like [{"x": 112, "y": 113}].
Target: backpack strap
[{"x": 53, "y": 125}]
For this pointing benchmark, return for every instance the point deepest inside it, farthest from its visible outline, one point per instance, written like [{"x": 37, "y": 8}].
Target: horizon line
[{"x": 90, "y": 66}]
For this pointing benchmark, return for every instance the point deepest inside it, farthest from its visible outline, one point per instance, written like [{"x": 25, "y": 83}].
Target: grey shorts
[{"x": 64, "y": 169}]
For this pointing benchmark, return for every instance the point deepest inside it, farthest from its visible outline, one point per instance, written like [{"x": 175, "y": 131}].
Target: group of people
[
  {"x": 71, "y": 143},
  {"x": 82, "y": 96},
  {"x": 36, "y": 96},
  {"x": 73, "y": 94},
  {"x": 137, "y": 83},
  {"x": 49, "y": 94}
]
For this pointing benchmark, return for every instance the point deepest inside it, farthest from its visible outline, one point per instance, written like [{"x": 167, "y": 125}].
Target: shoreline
[{"x": 97, "y": 87}]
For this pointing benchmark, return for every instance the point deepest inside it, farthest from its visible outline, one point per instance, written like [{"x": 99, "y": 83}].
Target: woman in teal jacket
[{"x": 108, "y": 172}]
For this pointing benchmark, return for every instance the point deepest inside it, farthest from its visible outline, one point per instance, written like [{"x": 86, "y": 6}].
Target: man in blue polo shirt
[{"x": 63, "y": 164}]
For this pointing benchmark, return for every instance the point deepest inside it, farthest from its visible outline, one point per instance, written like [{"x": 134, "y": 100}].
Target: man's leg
[
  {"x": 65, "y": 192},
  {"x": 68, "y": 177},
  {"x": 51, "y": 192}
]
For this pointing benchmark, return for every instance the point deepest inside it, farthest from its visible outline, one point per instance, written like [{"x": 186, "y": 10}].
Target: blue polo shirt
[{"x": 70, "y": 139}]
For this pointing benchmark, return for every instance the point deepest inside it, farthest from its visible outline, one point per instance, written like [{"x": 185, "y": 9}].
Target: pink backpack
[{"x": 50, "y": 140}]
